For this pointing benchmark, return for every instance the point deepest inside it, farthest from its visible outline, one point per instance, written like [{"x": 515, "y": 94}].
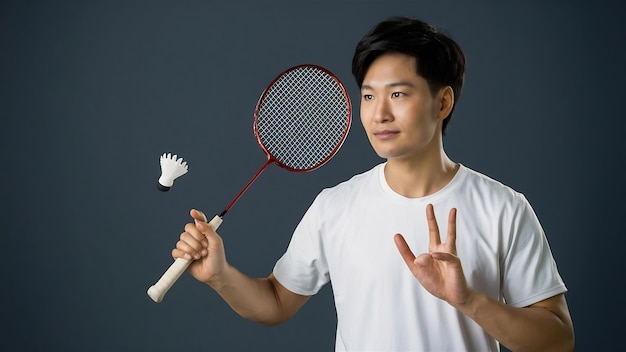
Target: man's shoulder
[
  {"x": 488, "y": 185},
  {"x": 354, "y": 184}
]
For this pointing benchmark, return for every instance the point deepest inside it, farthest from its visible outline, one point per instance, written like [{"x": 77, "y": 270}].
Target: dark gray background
[{"x": 92, "y": 92}]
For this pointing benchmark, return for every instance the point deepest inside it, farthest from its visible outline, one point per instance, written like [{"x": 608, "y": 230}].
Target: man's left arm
[{"x": 542, "y": 326}]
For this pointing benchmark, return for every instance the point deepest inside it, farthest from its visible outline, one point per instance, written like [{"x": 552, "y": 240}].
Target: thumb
[
  {"x": 198, "y": 215},
  {"x": 205, "y": 228},
  {"x": 208, "y": 230}
]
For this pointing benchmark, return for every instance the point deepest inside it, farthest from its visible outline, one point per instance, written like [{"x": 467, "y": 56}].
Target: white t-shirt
[{"x": 346, "y": 237}]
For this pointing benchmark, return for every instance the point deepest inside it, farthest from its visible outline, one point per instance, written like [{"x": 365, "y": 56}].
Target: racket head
[{"x": 302, "y": 118}]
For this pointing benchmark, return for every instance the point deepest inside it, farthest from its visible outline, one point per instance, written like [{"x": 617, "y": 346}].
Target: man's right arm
[{"x": 262, "y": 300}]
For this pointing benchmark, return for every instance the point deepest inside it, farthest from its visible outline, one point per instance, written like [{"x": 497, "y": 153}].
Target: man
[{"x": 486, "y": 274}]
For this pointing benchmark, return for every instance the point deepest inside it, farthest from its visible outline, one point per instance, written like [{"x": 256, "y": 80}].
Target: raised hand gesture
[{"x": 439, "y": 271}]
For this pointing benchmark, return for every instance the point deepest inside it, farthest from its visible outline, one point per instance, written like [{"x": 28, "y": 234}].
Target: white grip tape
[{"x": 167, "y": 280}]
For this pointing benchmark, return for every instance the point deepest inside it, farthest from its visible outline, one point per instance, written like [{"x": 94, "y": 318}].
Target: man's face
[{"x": 400, "y": 115}]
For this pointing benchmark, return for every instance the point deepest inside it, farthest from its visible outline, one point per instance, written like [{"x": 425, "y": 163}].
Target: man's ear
[{"x": 446, "y": 102}]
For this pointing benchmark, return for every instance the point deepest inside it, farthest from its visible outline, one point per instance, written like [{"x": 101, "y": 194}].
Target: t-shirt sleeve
[
  {"x": 529, "y": 270},
  {"x": 303, "y": 268}
]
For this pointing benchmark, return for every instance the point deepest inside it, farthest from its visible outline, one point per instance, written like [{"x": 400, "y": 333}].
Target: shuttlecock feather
[{"x": 172, "y": 167}]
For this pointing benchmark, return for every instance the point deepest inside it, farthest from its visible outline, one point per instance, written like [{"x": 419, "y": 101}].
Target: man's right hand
[{"x": 201, "y": 244}]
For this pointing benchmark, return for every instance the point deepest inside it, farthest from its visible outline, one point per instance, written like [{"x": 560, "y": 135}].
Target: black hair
[{"x": 439, "y": 58}]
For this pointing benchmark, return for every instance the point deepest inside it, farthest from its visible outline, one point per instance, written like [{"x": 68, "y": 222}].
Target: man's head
[{"x": 440, "y": 60}]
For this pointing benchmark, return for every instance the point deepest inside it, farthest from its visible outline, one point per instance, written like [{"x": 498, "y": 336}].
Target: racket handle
[{"x": 167, "y": 280}]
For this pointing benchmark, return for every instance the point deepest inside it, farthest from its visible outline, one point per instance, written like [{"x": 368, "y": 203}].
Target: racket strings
[{"x": 303, "y": 118}]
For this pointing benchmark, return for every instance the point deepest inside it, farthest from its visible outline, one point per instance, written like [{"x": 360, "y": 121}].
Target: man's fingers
[
  {"x": 433, "y": 228},
  {"x": 200, "y": 220},
  {"x": 451, "y": 239},
  {"x": 205, "y": 228},
  {"x": 196, "y": 240},
  {"x": 189, "y": 248},
  {"x": 177, "y": 253},
  {"x": 404, "y": 250},
  {"x": 214, "y": 240}
]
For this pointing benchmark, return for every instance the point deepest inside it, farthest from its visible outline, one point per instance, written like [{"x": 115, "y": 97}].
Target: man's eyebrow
[{"x": 390, "y": 85}]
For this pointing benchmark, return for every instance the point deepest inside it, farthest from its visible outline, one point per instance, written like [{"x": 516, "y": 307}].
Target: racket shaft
[{"x": 167, "y": 280}]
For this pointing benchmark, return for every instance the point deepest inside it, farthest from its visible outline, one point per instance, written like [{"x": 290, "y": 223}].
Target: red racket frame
[{"x": 270, "y": 158}]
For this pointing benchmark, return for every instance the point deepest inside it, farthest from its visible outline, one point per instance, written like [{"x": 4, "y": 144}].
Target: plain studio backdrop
[{"x": 92, "y": 92}]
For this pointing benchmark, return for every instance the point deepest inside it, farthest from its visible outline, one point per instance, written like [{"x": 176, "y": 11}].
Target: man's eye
[
  {"x": 396, "y": 94},
  {"x": 368, "y": 97}
]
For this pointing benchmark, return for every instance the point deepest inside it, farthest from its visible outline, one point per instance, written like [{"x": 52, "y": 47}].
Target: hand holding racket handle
[{"x": 158, "y": 290}]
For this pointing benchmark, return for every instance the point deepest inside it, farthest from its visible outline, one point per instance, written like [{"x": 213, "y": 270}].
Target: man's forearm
[
  {"x": 535, "y": 328},
  {"x": 262, "y": 300},
  {"x": 252, "y": 298}
]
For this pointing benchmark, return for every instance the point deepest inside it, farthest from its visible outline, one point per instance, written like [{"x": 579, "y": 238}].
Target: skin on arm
[
  {"x": 543, "y": 326},
  {"x": 263, "y": 300}
]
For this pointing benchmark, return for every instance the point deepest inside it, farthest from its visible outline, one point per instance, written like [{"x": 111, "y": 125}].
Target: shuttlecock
[{"x": 171, "y": 168}]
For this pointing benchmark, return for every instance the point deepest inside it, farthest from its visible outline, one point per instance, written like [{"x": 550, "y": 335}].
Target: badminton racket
[{"x": 300, "y": 121}]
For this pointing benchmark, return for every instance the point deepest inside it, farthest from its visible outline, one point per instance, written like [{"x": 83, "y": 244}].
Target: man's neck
[{"x": 420, "y": 177}]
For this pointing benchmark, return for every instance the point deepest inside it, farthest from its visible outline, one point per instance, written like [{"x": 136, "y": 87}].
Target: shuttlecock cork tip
[{"x": 162, "y": 188}]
